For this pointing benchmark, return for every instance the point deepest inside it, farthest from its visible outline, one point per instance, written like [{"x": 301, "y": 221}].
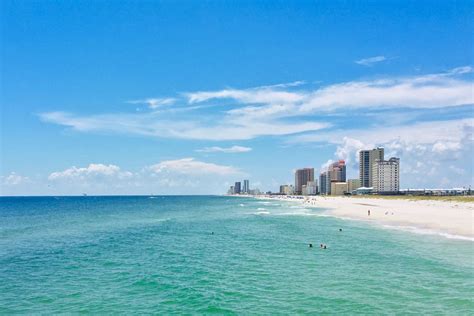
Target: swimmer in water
[
  {"x": 340, "y": 229},
  {"x": 324, "y": 246},
  {"x": 310, "y": 245}
]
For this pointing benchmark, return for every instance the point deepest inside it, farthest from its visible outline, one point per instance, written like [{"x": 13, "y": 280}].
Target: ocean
[{"x": 221, "y": 255}]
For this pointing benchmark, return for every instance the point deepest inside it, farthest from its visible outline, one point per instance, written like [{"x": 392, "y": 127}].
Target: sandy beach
[{"x": 444, "y": 217}]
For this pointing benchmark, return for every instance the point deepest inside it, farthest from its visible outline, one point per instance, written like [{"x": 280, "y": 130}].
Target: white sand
[{"x": 454, "y": 218}]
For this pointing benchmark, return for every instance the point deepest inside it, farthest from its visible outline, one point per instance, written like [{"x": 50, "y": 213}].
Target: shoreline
[{"x": 447, "y": 218}]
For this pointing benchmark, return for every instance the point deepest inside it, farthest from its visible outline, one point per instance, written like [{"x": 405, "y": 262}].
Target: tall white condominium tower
[
  {"x": 366, "y": 160},
  {"x": 246, "y": 186},
  {"x": 386, "y": 175}
]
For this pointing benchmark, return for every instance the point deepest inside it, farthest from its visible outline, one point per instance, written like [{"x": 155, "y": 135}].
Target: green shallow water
[{"x": 158, "y": 255}]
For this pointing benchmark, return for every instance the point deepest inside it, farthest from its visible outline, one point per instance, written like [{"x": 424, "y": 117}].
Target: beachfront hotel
[
  {"x": 302, "y": 177},
  {"x": 246, "y": 188},
  {"x": 366, "y": 160},
  {"x": 237, "y": 188},
  {"x": 386, "y": 175},
  {"x": 323, "y": 183},
  {"x": 335, "y": 173}
]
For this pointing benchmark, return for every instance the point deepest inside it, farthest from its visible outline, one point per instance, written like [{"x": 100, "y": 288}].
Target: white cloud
[
  {"x": 14, "y": 179},
  {"x": 424, "y": 91},
  {"x": 190, "y": 166},
  {"x": 181, "y": 176},
  {"x": 370, "y": 61},
  {"x": 433, "y": 91},
  {"x": 280, "y": 109},
  {"x": 349, "y": 149},
  {"x": 286, "y": 85},
  {"x": 325, "y": 165},
  {"x": 188, "y": 175},
  {"x": 154, "y": 103},
  {"x": 91, "y": 171},
  {"x": 233, "y": 149},
  {"x": 418, "y": 133},
  {"x": 257, "y": 95},
  {"x": 443, "y": 146},
  {"x": 149, "y": 124},
  {"x": 243, "y": 130}
]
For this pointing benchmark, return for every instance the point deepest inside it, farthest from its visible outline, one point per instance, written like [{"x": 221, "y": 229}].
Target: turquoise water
[{"x": 158, "y": 255}]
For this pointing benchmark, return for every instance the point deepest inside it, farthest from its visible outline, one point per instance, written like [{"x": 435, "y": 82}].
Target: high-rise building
[
  {"x": 338, "y": 171},
  {"x": 237, "y": 188},
  {"x": 366, "y": 160},
  {"x": 246, "y": 189},
  {"x": 231, "y": 190},
  {"x": 302, "y": 177},
  {"x": 386, "y": 175},
  {"x": 323, "y": 183}
]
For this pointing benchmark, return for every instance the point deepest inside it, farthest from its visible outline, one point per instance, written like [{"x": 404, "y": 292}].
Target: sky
[{"x": 187, "y": 97}]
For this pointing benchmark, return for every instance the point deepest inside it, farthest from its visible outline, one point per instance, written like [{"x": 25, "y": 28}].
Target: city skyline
[
  {"x": 376, "y": 176},
  {"x": 165, "y": 98}
]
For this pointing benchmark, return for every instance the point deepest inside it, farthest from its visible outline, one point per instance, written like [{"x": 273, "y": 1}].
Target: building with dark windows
[
  {"x": 366, "y": 161},
  {"x": 246, "y": 188},
  {"x": 237, "y": 188},
  {"x": 323, "y": 183},
  {"x": 302, "y": 177},
  {"x": 337, "y": 171}
]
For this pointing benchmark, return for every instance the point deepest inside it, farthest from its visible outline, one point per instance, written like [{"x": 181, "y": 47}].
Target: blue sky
[{"x": 139, "y": 97}]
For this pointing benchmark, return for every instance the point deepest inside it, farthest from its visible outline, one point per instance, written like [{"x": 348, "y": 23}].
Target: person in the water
[{"x": 310, "y": 245}]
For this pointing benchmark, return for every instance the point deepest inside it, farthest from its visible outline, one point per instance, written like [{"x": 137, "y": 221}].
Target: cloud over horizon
[
  {"x": 93, "y": 170},
  {"x": 191, "y": 166}
]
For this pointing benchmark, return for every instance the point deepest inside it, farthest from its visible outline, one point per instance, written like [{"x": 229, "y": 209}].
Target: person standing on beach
[{"x": 368, "y": 213}]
